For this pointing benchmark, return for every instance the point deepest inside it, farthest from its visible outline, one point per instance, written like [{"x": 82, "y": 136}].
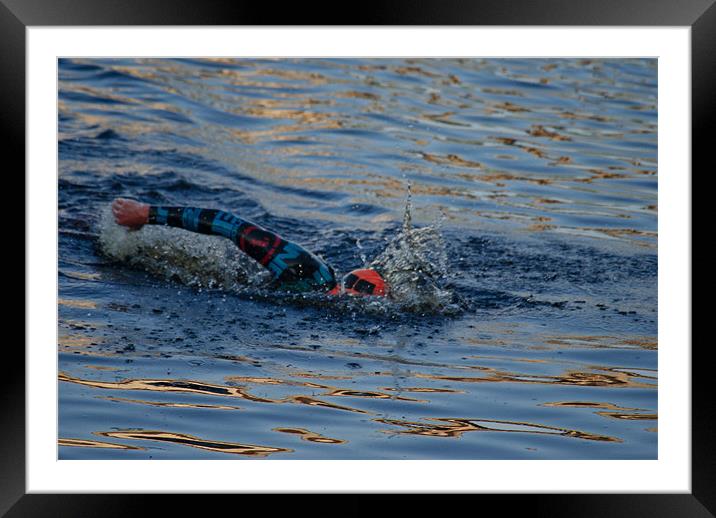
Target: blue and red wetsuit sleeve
[{"x": 293, "y": 266}]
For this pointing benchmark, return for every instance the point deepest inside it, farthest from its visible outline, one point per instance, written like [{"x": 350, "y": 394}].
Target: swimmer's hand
[{"x": 130, "y": 213}]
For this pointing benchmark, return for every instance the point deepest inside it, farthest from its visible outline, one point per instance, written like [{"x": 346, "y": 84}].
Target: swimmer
[{"x": 293, "y": 267}]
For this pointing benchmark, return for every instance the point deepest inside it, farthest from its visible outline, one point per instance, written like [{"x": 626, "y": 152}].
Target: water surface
[{"x": 534, "y": 182}]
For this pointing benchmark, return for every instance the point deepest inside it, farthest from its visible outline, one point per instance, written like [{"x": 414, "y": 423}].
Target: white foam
[{"x": 193, "y": 259}]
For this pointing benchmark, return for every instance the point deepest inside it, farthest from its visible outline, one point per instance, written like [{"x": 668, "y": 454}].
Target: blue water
[{"x": 543, "y": 173}]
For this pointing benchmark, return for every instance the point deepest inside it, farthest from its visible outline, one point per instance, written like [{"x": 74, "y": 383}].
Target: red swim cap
[{"x": 362, "y": 282}]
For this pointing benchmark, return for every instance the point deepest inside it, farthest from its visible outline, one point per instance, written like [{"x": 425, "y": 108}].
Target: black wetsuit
[{"x": 294, "y": 268}]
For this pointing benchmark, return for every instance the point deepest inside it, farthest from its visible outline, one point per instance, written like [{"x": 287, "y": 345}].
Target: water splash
[
  {"x": 196, "y": 260},
  {"x": 361, "y": 253},
  {"x": 416, "y": 266},
  {"x": 414, "y": 263}
]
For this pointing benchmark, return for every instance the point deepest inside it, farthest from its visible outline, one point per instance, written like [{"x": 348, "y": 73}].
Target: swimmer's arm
[
  {"x": 203, "y": 221},
  {"x": 134, "y": 215},
  {"x": 130, "y": 213},
  {"x": 285, "y": 259}
]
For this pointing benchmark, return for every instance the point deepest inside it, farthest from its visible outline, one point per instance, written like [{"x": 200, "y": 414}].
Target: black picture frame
[{"x": 17, "y": 15}]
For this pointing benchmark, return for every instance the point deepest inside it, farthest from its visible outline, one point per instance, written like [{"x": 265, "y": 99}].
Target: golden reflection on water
[
  {"x": 277, "y": 132},
  {"x": 170, "y": 405},
  {"x": 643, "y": 343},
  {"x": 332, "y": 391},
  {"x": 432, "y": 427},
  {"x": 168, "y": 386},
  {"x": 615, "y": 411},
  {"x": 612, "y": 376},
  {"x": 281, "y": 103},
  {"x": 408, "y": 70},
  {"x": 311, "y": 401},
  {"x": 601, "y": 341},
  {"x": 286, "y": 108},
  {"x": 206, "y": 389},
  {"x": 103, "y": 93},
  {"x": 302, "y": 117},
  {"x": 424, "y": 389},
  {"x": 352, "y": 94},
  {"x": 629, "y": 417},
  {"x": 650, "y": 374},
  {"x": 250, "y": 450},
  {"x": 370, "y": 395},
  {"x": 313, "y": 375},
  {"x": 456, "y": 427},
  {"x": 503, "y": 359},
  {"x": 592, "y": 379},
  {"x": 587, "y": 404},
  {"x": 310, "y": 436},
  {"x": 583, "y": 116},
  {"x": 506, "y": 106},
  {"x": 86, "y": 443},
  {"x": 537, "y": 130},
  {"x": 444, "y": 118},
  {"x": 450, "y": 159},
  {"x": 292, "y": 109},
  {"x": 313, "y": 78},
  {"x": 273, "y": 381}
]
